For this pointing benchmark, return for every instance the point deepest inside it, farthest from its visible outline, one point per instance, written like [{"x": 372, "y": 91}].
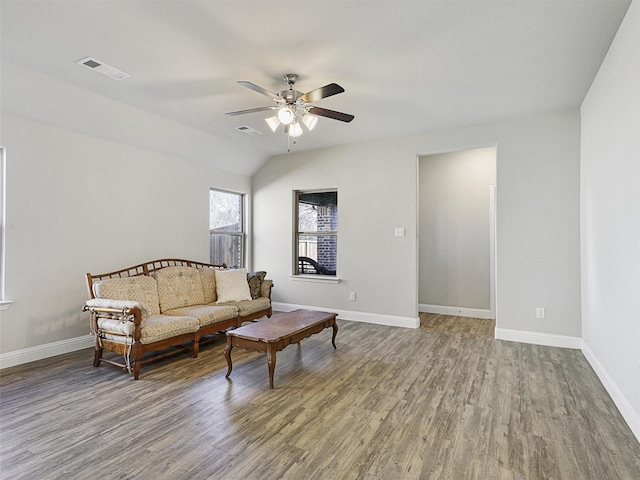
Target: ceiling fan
[{"x": 295, "y": 107}]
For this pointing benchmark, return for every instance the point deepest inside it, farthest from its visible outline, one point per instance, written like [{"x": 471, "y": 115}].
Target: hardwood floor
[{"x": 446, "y": 401}]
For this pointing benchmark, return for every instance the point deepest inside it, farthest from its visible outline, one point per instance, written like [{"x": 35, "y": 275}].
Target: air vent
[
  {"x": 249, "y": 130},
  {"x": 103, "y": 68}
]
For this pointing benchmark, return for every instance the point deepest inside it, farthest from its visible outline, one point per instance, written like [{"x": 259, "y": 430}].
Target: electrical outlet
[
  {"x": 352, "y": 296},
  {"x": 540, "y": 312}
]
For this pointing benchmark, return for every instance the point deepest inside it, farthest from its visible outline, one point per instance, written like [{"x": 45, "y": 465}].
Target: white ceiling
[{"x": 406, "y": 66}]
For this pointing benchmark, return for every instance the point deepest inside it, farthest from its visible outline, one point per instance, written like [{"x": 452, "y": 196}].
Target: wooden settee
[{"x": 151, "y": 308}]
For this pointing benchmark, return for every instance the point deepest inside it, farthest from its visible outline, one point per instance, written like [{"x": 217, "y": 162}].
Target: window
[
  {"x": 316, "y": 233},
  {"x": 226, "y": 228}
]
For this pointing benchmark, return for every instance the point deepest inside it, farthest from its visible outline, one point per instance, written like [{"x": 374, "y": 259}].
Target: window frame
[
  {"x": 4, "y": 303},
  {"x": 296, "y": 275},
  {"x": 242, "y": 234}
]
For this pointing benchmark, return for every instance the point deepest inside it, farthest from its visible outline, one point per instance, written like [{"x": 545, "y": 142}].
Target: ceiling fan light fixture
[
  {"x": 295, "y": 130},
  {"x": 310, "y": 121},
  {"x": 285, "y": 115},
  {"x": 273, "y": 123}
]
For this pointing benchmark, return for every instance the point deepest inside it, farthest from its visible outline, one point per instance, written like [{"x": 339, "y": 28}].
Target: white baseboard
[
  {"x": 537, "y": 338},
  {"x": 457, "y": 311},
  {"x": 31, "y": 354},
  {"x": 391, "y": 320},
  {"x": 630, "y": 415}
]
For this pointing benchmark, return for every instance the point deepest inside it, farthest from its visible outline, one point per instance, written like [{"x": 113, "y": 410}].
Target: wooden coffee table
[{"x": 273, "y": 334}]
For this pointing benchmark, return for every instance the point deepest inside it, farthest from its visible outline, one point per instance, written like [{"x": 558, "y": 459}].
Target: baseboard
[
  {"x": 31, "y": 354},
  {"x": 390, "y": 320},
  {"x": 630, "y": 415},
  {"x": 537, "y": 338},
  {"x": 457, "y": 311}
]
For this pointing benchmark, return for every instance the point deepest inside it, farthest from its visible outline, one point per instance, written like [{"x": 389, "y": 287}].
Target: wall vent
[
  {"x": 249, "y": 130},
  {"x": 103, "y": 68}
]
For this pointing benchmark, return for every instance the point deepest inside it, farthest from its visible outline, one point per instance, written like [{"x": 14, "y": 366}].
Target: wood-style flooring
[{"x": 445, "y": 401}]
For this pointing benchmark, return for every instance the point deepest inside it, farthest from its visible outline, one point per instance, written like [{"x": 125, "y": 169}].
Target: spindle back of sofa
[{"x": 146, "y": 269}]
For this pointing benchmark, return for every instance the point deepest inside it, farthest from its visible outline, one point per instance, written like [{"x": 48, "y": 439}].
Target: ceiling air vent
[
  {"x": 248, "y": 130},
  {"x": 103, "y": 68}
]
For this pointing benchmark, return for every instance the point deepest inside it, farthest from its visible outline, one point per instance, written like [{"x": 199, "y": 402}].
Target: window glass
[
  {"x": 226, "y": 228},
  {"x": 316, "y": 233}
]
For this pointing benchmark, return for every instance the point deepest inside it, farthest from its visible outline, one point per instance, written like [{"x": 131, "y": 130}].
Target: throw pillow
[
  {"x": 255, "y": 283},
  {"x": 232, "y": 285}
]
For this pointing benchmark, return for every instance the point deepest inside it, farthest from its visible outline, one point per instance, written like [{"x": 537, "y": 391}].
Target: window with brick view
[{"x": 316, "y": 245}]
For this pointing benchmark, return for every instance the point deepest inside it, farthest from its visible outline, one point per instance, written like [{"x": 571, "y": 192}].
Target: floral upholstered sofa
[{"x": 167, "y": 303}]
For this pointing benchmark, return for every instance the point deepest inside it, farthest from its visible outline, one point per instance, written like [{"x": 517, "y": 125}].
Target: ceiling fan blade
[
  {"x": 252, "y": 110},
  {"x": 323, "y": 112},
  {"x": 322, "y": 92},
  {"x": 256, "y": 88}
]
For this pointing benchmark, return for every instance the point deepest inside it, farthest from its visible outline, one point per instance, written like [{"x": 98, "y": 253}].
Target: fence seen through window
[{"x": 226, "y": 228}]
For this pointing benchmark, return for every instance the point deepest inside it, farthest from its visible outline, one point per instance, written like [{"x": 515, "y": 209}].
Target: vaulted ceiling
[{"x": 406, "y": 66}]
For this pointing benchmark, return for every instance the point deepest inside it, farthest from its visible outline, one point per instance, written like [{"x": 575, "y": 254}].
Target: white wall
[
  {"x": 372, "y": 201},
  {"x": 610, "y": 220},
  {"x": 537, "y": 221},
  {"x": 454, "y": 241},
  {"x": 77, "y": 203}
]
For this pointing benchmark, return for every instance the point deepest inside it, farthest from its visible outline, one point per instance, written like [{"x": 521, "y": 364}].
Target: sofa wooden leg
[
  {"x": 136, "y": 370},
  {"x": 97, "y": 355},
  {"x": 196, "y": 348}
]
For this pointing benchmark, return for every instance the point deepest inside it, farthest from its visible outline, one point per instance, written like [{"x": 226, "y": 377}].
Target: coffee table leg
[
  {"x": 335, "y": 332},
  {"x": 271, "y": 360},
  {"x": 227, "y": 355}
]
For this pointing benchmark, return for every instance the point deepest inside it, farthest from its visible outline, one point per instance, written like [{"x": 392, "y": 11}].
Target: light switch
[{"x": 399, "y": 232}]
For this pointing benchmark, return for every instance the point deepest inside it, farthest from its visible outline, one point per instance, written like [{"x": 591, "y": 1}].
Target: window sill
[
  {"x": 315, "y": 278},
  {"x": 5, "y": 304}
]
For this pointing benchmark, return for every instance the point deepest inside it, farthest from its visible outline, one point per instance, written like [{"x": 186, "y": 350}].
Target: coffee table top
[{"x": 281, "y": 325}]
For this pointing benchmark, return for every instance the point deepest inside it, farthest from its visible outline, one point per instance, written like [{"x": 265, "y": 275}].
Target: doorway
[{"x": 456, "y": 225}]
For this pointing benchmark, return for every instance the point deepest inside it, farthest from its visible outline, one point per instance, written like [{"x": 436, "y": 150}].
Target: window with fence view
[
  {"x": 226, "y": 228},
  {"x": 316, "y": 233}
]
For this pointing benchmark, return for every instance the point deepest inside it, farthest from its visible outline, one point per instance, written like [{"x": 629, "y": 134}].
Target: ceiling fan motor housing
[
  {"x": 290, "y": 78},
  {"x": 290, "y": 96}
]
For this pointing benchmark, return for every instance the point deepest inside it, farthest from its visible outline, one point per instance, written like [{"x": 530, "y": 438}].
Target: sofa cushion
[
  {"x": 138, "y": 289},
  {"x": 155, "y": 329},
  {"x": 161, "y": 327},
  {"x": 206, "y": 314},
  {"x": 232, "y": 285},
  {"x": 208, "y": 279},
  {"x": 265, "y": 290},
  {"x": 247, "y": 307},
  {"x": 116, "y": 326},
  {"x": 178, "y": 287},
  {"x": 255, "y": 279}
]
